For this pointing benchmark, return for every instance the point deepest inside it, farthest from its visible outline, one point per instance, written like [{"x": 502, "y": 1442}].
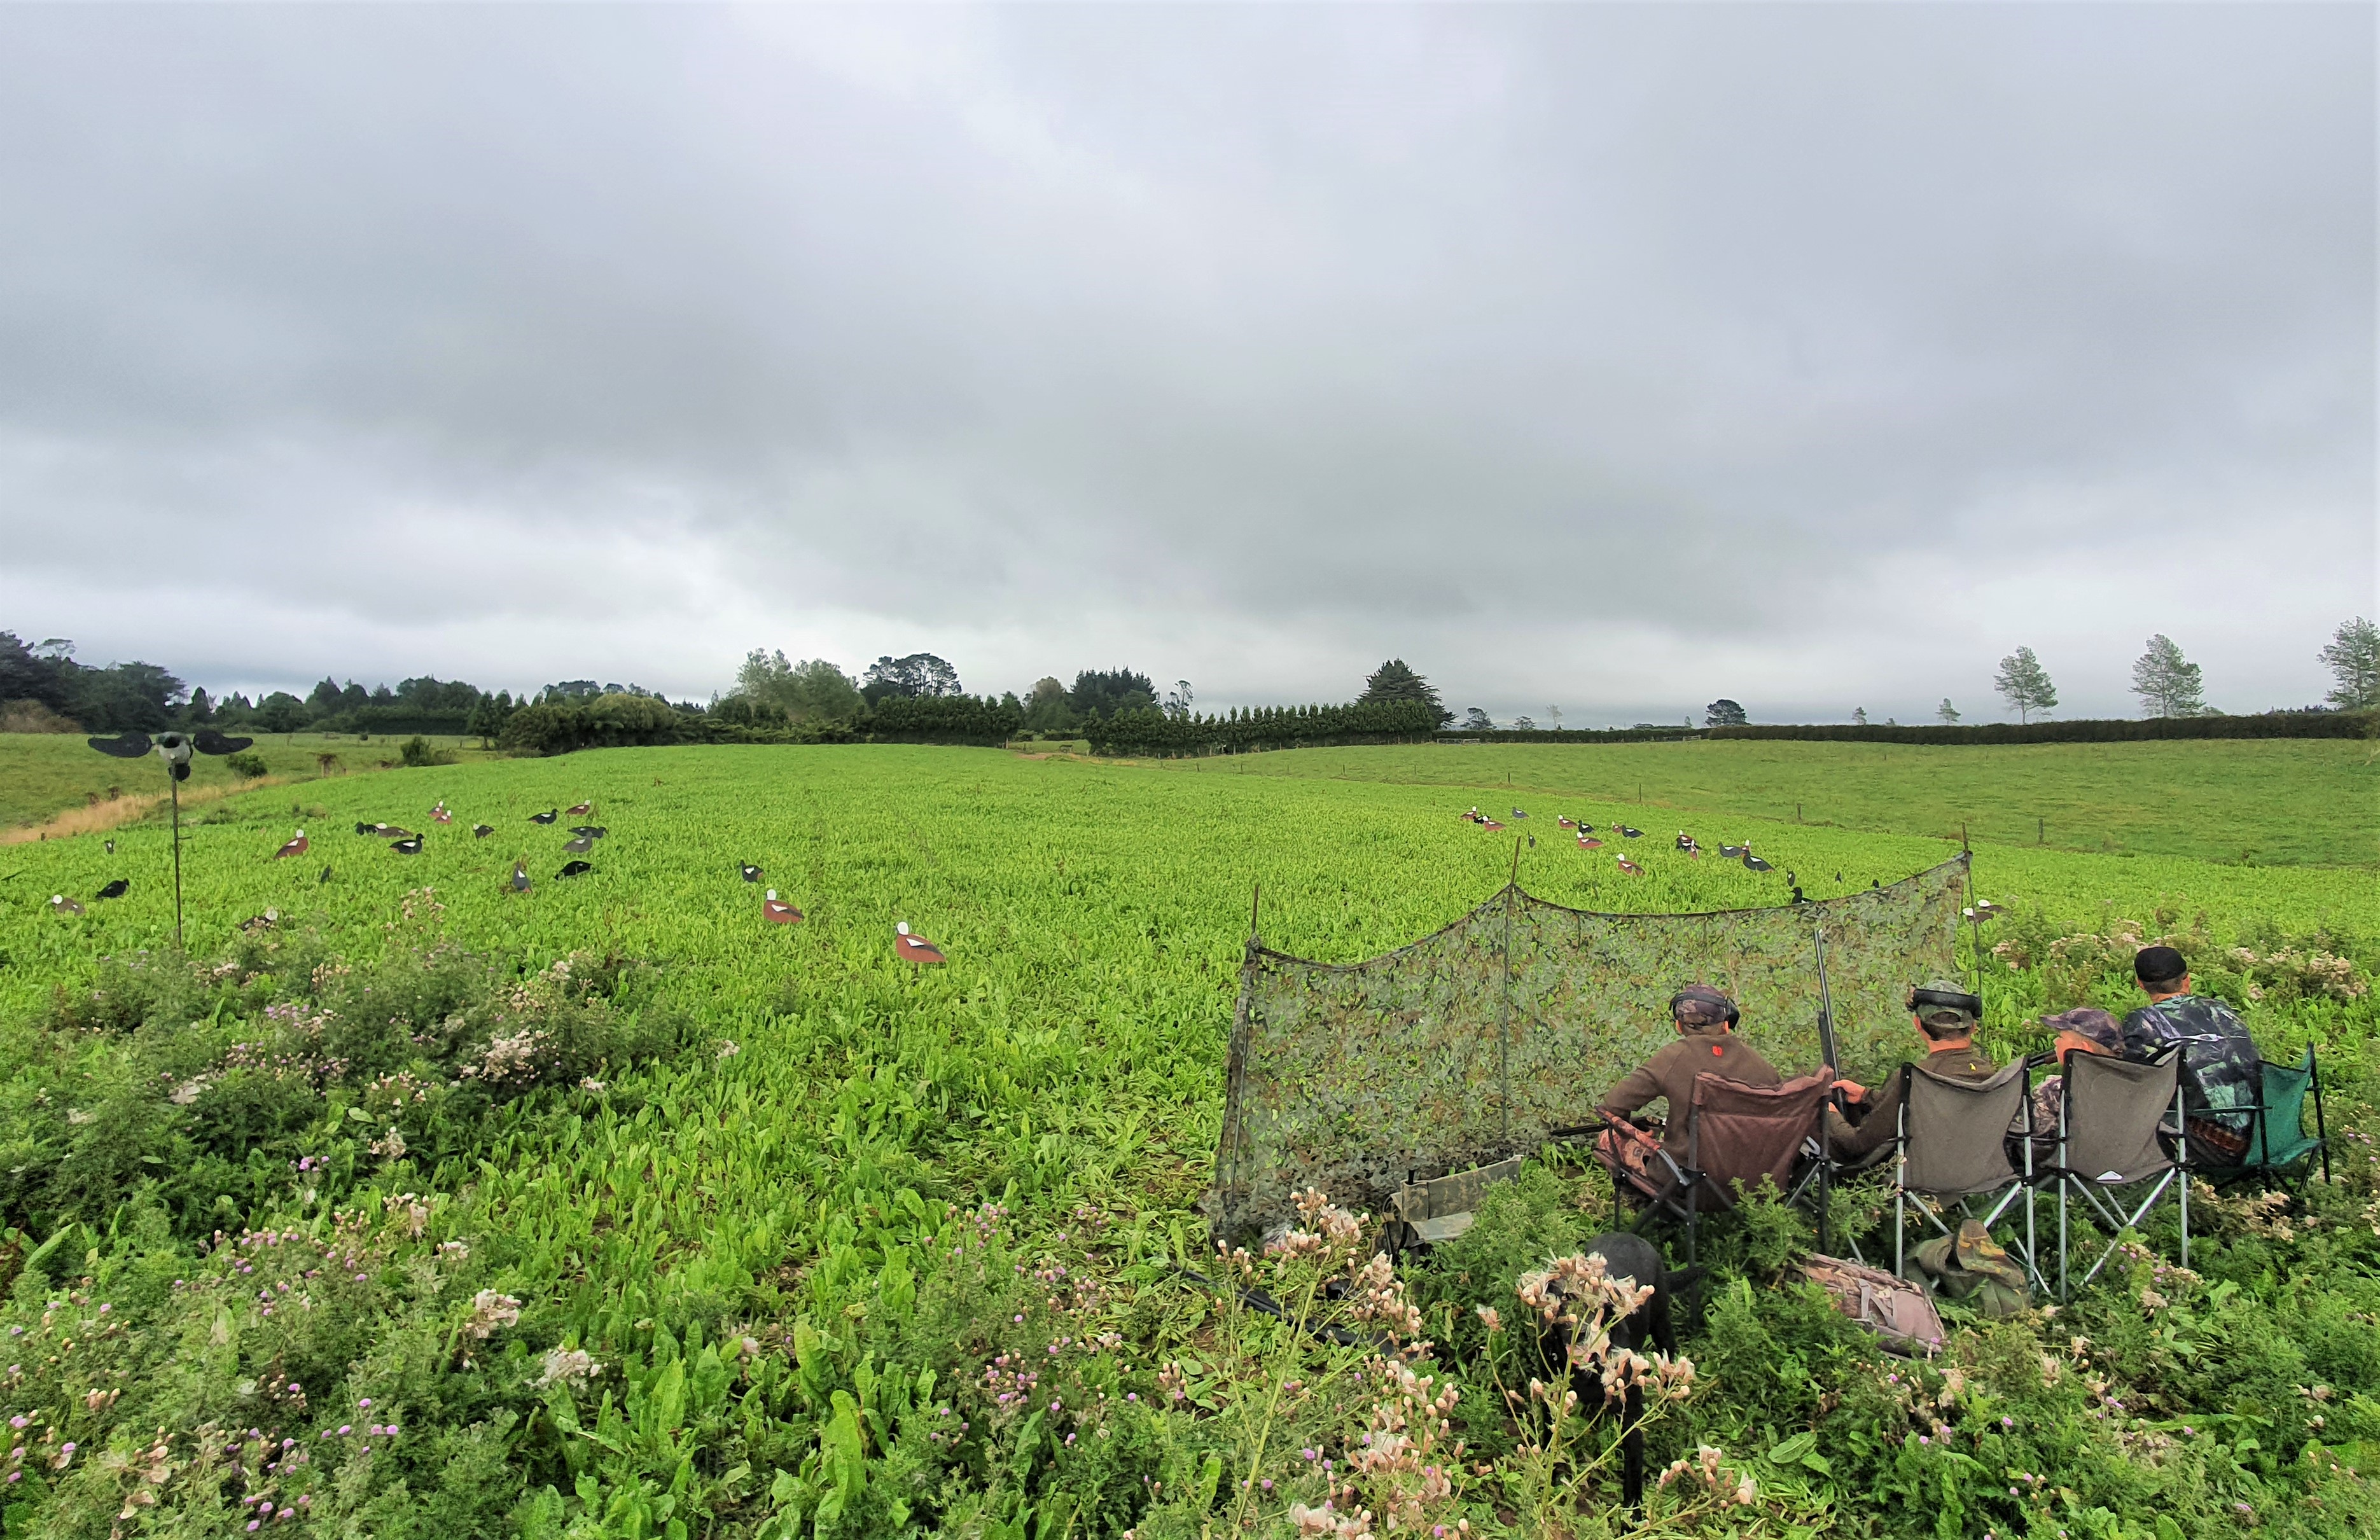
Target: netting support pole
[
  {"x": 1974, "y": 921},
  {"x": 1504, "y": 1021}
]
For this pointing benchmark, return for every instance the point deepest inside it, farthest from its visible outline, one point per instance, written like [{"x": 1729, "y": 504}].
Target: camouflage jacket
[{"x": 2220, "y": 1066}]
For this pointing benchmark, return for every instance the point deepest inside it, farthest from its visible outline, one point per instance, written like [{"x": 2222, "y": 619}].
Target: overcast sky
[{"x": 1606, "y": 358}]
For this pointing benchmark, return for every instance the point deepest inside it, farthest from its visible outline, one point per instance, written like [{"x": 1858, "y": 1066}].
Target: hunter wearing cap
[
  {"x": 2086, "y": 1029},
  {"x": 1944, "y": 1016},
  {"x": 2221, "y": 1067},
  {"x": 1706, "y": 1043}
]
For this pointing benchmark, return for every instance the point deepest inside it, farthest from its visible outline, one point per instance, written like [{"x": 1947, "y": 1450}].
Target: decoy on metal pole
[{"x": 175, "y": 748}]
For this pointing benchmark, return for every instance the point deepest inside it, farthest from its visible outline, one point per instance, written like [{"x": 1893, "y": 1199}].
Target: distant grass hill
[{"x": 43, "y": 774}]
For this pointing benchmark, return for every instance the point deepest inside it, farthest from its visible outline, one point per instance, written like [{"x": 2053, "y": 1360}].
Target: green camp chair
[{"x": 2277, "y": 1142}]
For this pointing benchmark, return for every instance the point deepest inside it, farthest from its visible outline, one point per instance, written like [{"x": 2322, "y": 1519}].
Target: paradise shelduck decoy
[
  {"x": 1985, "y": 909},
  {"x": 579, "y": 810},
  {"x": 913, "y": 949},
  {"x": 481, "y": 831},
  {"x": 592, "y": 830},
  {"x": 1563, "y": 820},
  {"x": 1874, "y": 883},
  {"x": 61, "y": 904},
  {"x": 439, "y": 814},
  {"x": 1797, "y": 895},
  {"x": 776, "y": 911},
  {"x": 547, "y": 817},
  {"x": 1686, "y": 841},
  {"x": 1630, "y": 868},
  {"x": 1628, "y": 833},
  {"x": 580, "y": 845},
  {"x": 1518, "y": 814},
  {"x": 520, "y": 877},
  {"x": 265, "y": 921},
  {"x": 363, "y": 829},
  {"x": 1735, "y": 852},
  {"x": 1490, "y": 824},
  {"x": 110, "y": 845},
  {"x": 1533, "y": 842},
  {"x": 325, "y": 877},
  {"x": 297, "y": 847},
  {"x": 751, "y": 873},
  {"x": 1753, "y": 863},
  {"x": 1588, "y": 841},
  {"x": 117, "y": 888},
  {"x": 575, "y": 868},
  {"x": 409, "y": 845}
]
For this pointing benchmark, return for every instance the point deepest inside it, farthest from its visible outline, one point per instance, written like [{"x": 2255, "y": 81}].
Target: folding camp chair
[
  {"x": 2277, "y": 1142},
  {"x": 1734, "y": 1132},
  {"x": 2113, "y": 1136},
  {"x": 1953, "y": 1143}
]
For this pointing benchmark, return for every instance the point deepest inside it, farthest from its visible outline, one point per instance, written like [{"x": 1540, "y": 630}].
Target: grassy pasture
[
  {"x": 1069, "y": 1055},
  {"x": 2269, "y": 801},
  {"x": 42, "y": 774}
]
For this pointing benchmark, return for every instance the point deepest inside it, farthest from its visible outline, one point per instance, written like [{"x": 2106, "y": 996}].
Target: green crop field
[
  {"x": 2273, "y": 801},
  {"x": 726, "y": 1228}
]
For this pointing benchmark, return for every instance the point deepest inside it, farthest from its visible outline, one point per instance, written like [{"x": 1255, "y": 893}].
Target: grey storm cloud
[{"x": 1610, "y": 357}]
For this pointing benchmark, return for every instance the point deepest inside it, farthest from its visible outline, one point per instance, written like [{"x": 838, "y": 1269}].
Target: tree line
[{"x": 919, "y": 697}]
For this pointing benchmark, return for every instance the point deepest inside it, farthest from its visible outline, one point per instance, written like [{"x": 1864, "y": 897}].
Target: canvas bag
[
  {"x": 1973, "y": 1266},
  {"x": 1898, "y": 1312}
]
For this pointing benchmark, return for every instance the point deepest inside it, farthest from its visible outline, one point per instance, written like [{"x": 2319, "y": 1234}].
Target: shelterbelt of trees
[{"x": 919, "y": 698}]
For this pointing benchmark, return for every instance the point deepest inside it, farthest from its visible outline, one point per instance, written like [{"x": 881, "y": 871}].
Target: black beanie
[{"x": 2160, "y": 965}]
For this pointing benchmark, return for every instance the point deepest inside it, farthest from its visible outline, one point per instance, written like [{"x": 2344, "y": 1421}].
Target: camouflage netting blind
[{"x": 1472, "y": 1044}]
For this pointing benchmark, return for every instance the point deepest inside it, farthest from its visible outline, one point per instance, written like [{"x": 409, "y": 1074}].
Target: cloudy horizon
[{"x": 1609, "y": 357}]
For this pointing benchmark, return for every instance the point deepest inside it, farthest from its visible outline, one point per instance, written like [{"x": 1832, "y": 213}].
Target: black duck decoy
[
  {"x": 547, "y": 817},
  {"x": 117, "y": 888},
  {"x": 575, "y": 868}
]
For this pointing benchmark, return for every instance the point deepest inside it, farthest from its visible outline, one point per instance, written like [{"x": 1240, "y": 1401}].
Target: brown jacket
[
  {"x": 1883, "y": 1123},
  {"x": 1671, "y": 1072}
]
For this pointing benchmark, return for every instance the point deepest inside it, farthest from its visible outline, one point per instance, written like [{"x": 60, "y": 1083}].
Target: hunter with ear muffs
[
  {"x": 1706, "y": 1043},
  {"x": 1944, "y": 1016}
]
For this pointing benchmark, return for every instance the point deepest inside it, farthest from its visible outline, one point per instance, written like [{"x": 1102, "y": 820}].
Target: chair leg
[
  {"x": 2064, "y": 1292},
  {"x": 2321, "y": 1134},
  {"x": 1899, "y": 1231}
]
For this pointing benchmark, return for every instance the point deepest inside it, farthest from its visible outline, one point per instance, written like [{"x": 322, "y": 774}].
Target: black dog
[{"x": 1638, "y": 1261}]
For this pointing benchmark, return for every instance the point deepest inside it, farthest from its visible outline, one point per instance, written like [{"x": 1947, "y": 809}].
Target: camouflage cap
[
  {"x": 2090, "y": 1023},
  {"x": 1941, "y": 1002}
]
